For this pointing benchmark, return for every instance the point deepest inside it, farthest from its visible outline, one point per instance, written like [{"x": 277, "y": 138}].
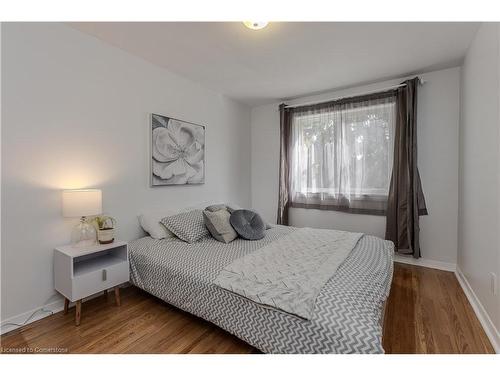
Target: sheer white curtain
[{"x": 341, "y": 154}]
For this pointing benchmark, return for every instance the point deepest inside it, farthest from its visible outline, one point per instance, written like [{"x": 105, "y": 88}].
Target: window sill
[{"x": 329, "y": 207}]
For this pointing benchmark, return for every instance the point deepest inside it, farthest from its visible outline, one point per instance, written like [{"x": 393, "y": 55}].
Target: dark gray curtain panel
[
  {"x": 406, "y": 201},
  {"x": 284, "y": 191}
]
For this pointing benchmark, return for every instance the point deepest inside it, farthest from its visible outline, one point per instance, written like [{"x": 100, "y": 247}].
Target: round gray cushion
[{"x": 248, "y": 224}]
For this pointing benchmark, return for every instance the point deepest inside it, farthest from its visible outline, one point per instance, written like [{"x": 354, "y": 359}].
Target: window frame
[{"x": 372, "y": 203}]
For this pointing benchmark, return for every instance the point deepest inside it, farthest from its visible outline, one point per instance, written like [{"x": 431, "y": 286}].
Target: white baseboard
[
  {"x": 485, "y": 320},
  {"x": 53, "y": 307},
  {"x": 425, "y": 262}
]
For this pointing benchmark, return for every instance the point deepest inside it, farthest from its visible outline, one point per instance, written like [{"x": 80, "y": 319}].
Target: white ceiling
[{"x": 287, "y": 60}]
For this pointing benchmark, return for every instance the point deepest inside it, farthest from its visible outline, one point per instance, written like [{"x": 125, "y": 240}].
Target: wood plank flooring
[{"x": 427, "y": 312}]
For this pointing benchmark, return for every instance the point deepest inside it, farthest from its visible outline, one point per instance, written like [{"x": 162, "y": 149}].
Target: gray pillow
[
  {"x": 232, "y": 207},
  {"x": 248, "y": 224},
  {"x": 215, "y": 207},
  {"x": 187, "y": 226},
  {"x": 219, "y": 226}
]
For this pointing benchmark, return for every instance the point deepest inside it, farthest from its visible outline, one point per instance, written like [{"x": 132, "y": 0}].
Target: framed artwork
[{"x": 177, "y": 152}]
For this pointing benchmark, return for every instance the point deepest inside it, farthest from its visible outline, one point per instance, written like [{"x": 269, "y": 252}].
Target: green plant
[{"x": 104, "y": 222}]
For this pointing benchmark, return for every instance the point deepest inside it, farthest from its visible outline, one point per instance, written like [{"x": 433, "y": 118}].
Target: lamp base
[{"x": 83, "y": 234}]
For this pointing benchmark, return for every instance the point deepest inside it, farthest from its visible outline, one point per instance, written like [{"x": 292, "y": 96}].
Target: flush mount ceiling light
[{"x": 254, "y": 25}]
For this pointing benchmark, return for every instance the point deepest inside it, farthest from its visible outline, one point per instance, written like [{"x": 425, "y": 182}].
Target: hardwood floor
[
  {"x": 427, "y": 312},
  {"x": 142, "y": 324}
]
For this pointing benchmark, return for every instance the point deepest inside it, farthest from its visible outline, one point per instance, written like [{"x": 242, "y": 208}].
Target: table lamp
[{"x": 82, "y": 203}]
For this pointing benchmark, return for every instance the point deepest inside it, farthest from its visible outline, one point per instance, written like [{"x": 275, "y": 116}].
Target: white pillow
[{"x": 150, "y": 220}]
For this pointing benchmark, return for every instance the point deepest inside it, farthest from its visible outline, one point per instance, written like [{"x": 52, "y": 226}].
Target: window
[{"x": 341, "y": 154}]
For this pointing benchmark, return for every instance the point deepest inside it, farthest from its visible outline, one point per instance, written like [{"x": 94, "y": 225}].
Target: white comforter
[{"x": 289, "y": 273}]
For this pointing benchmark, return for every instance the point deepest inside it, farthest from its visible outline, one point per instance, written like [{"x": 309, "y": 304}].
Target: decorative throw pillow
[
  {"x": 248, "y": 224},
  {"x": 150, "y": 222},
  {"x": 219, "y": 226},
  {"x": 187, "y": 226},
  {"x": 232, "y": 207},
  {"x": 216, "y": 207}
]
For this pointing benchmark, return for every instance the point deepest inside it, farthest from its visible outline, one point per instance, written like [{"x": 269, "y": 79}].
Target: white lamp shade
[{"x": 77, "y": 203}]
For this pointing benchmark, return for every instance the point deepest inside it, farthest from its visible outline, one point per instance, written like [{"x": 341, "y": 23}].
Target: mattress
[{"x": 345, "y": 319}]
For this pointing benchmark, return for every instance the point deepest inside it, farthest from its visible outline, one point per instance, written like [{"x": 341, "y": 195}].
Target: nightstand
[{"x": 82, "y": 272}]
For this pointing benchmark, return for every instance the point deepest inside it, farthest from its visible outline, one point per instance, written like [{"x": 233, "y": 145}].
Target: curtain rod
[{"x": 420, "y": 79}]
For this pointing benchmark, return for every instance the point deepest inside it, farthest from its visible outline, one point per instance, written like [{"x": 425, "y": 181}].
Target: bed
[{"x": 347, "y": 313}]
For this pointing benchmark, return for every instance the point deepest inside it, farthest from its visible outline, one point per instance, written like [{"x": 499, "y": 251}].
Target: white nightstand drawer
[
  {"x": 88, "y": 283},
  {"x": 81, "y": 272}
]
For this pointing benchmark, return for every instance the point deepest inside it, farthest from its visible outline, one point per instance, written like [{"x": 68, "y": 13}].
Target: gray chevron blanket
[
  {"x": 345, "y": 318},
  {"x": 288, "y": 273}
]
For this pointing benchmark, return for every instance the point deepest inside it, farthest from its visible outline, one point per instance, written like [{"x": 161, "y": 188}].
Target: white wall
[
  {"x": 438, "y": 124},
  {"x": 75, "y": 114},
  {"x": 1, "y": 266},
  {"x": 479, "y": 198}
]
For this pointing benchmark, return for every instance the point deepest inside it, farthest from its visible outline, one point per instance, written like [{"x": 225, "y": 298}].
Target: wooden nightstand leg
[
  {"x": 117, "y": 296},
  {"x": 78, "y": 313},
  {"x": 66, "y": 305}
]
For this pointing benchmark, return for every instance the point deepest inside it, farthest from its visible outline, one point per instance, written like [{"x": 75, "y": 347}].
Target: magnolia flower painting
[{"x": 177, "y": 152}]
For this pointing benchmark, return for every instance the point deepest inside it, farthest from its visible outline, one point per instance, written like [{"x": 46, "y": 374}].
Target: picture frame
[{"x": 177, "y": 152}]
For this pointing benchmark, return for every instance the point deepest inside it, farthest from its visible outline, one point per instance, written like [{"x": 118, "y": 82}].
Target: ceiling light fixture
[{"x": 254, "y": 25}]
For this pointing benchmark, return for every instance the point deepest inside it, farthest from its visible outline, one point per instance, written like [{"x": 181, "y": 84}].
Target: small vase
[
  {"x": 106, "y": 235},
  {"x": 83, "y": 235}
]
